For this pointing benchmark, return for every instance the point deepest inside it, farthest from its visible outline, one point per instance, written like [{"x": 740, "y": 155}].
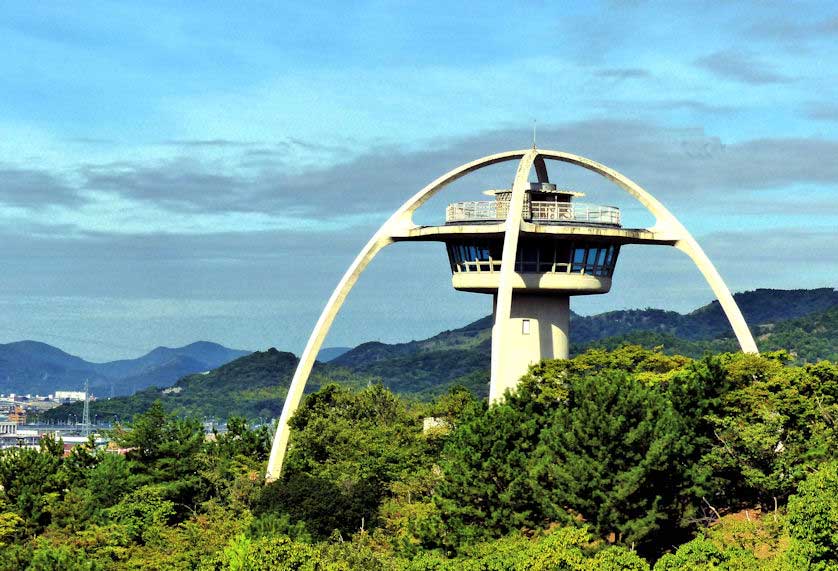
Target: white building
[{"x": 69, "y": 396}]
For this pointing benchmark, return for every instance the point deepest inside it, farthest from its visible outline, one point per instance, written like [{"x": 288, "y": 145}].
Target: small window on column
[{"x": 525, "y": 327}]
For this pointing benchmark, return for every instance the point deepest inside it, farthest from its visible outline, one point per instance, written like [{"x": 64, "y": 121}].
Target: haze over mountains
[
  {"x": 34, "y": 367},
  {"x": 803, "y": 321}
]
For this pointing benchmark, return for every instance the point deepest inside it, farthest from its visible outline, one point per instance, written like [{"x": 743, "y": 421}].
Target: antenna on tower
[
  {"x": 85, "y": 417},
  {"x": 534, "y": 125}
]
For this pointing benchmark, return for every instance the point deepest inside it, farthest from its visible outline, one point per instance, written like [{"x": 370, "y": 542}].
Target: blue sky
[{"x": 207, "y": 170}]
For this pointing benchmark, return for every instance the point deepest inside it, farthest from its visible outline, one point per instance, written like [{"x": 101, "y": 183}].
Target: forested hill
[
  {"x": 252, "y": 386},
  {"x": 762, "y": 307},
  {"x": 255, "y": 385},
  {"x": 461, "y": 355},
  {"x": 808, "y": 339}
]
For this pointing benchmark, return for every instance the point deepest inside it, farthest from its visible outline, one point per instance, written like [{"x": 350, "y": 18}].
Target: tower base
[{"x": 538, "y": 328}]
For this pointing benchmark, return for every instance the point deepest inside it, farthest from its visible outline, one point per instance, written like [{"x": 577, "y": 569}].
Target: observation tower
[
  {"x": 531, "y": 246},
  {"x": 565, "y": 247}
]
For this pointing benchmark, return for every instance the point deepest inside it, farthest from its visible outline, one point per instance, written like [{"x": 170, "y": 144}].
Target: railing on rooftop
[{"x": 536, "y": 211}]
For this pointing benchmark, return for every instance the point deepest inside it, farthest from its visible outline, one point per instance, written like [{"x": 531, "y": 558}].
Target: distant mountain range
[
  {"x": 34, "y": 367},
  {"x": 805, "y": 322}
]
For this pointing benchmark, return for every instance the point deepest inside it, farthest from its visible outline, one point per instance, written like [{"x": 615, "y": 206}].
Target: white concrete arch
[
  {"x": 401, "y": 222},
  {"x": 668, "y": 227},
  {"x": 397, "y": 225}
]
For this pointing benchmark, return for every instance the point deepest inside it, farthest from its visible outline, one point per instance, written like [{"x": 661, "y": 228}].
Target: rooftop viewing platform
[{"x": 477, "y": 211}]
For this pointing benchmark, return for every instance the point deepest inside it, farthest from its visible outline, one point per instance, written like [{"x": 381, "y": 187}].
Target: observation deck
[
  {"x": 536, "y": 211},
  {"x": 566, "y": 247}
]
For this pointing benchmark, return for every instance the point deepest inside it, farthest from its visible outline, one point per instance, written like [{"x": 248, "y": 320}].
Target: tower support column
[{"x": 538, "y": 328}]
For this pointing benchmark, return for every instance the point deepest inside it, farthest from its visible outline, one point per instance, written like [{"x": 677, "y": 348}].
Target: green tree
[
  {"x": 488, "y": 489},
  {"x": 144, "y": 514},
  {"x": 32, "y": 479},
  {"x": 109, "y": 480},
  {"x": 618, "y": 453},
  {"x": 813, "y": 520},
  {"x": 233, "y": 463},
  {"x": 60, "y": 558},
  {"x": 239, "y": 440},
  {"x": 775, "y": 427},
  {"x": 11, "y": 524},
  {"x": 346, "y": 449},
  {"x": 701, "y": 554},
  {"x": 166, "y": 450},
  {"x": 614, "y": 438}
]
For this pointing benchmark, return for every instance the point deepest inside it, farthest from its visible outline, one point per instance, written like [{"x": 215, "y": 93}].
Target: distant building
[
  {"x": 17, "y": 415},
  {"x": 12, "y": 436},
  {"x": 69, "y": 396}
]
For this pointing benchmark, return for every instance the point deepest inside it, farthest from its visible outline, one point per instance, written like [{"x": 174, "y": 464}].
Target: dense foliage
[{"x": 615, "y": 460}]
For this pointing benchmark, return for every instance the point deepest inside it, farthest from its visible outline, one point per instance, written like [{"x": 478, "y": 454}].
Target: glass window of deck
[{"x": 536, "y": 256}]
